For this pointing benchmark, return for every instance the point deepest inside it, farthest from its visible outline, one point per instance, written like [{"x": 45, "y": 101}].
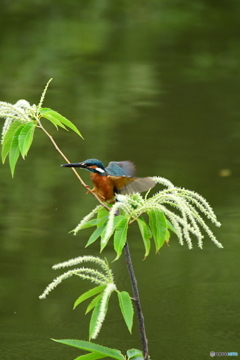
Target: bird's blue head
[{"x": 93, "y": 165}]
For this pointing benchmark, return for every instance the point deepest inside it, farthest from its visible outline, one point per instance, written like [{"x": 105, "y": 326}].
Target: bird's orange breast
[{"x": 103, "y": 187}]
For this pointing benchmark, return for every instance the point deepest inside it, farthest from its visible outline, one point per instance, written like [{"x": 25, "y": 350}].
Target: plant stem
[
  {"x": 137, "y": 301},
  {"x": 127, "y": 256},
  {"x": 66, "y": 159}
]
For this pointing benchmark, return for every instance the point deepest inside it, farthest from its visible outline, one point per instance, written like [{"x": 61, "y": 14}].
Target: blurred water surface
[{"x": 154, "y": 82}]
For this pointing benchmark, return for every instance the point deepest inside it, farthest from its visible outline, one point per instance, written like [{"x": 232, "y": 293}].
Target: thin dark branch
[{"x": 137, "y": 301}]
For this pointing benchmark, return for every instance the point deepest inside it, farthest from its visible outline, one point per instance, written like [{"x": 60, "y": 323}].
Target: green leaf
[
  {"x": 14, "y": 151},
  {"x": 94, "y": 318},
  {"x": 89, "y": 294},
  {"x": 54, "y": 116},
  {"x": 7, "y": 140},
  {"x": 126, "y": 307},
  {"x": 94, "y": 222},
  {"x": 158, "y": 224},
  {"x": 93, "y": 303},
  {"x": 146, "y": 235},
  {"x": 171, "y": 227},
  {"x": 25, "y": 138},
  {"x": 89, "y": 346},
  {"x": 167, "y": 236},
  {"x": 47, "y": 114},
  {"x": 120, "y": 236},
  {"x": 91, "y": 356},
  {"x": 134, "y": 354},
  {"x": 96, "y": 313},
  {"x": 104, "y": 240},
  {"x": 102, "y": 213},
  {"x": 95, "y": 235}
]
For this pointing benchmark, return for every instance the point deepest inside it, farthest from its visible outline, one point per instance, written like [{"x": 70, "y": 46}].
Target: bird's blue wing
[
  {"x": 127, "y": 185},
  {"x": 121, "y": 168}
]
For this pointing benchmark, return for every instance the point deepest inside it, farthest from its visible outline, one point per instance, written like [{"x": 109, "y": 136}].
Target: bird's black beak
[{"x": 81, "y": 165}]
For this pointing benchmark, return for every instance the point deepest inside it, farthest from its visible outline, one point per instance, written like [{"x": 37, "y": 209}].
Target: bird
[{"x": 117, "y": 178}]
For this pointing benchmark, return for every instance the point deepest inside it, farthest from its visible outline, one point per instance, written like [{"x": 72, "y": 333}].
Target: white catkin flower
[
  {"x": 5, "y": 128},
  {"x": 103, "y": 309},
  {"x": 189, "y": 203},
  {"x": 55, "y": 283},
  {"x": 86, "y": 219},
  {"x": 22, "y": 104},
  {"x": 121, "y": 197},
  {"x": 110, "y": 223},
  {"x": 124, "y": 202},
  {"x": 176, "y": 226},
  {"x": 163, "y": 181},
  {"x": 88, "y": 258},
  {"x": 43, "y": 94},
  {"x": 80, "y": 260},
  {"x": 85, "y": 273},
  {"x": 22, "y": 111},
  {"x": 188, "y": 222},
  {"x": 95, "y": 276}
]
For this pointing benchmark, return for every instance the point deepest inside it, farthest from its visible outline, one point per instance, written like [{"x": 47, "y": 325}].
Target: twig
[{"x": 75, "y": 172}]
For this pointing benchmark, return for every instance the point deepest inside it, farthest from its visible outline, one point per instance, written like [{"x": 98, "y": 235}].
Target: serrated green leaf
[
  {"x": 133, "y": 353},
  {"x": 120, "y": 236},
  {"x": 89, "y": 294},
  {"x": 89, "y": 346},
  {"x": 94, "y": 222},
  {"x": 126, "y": 307},
  {"x": 95, "y": 235},
  {"x": 14, "y": 151},
  {"x": 93, "y": 303},
  {"x": 171, "y": 227},
  {"x": 162, "y": 228},
  {"x": 158, "y": 225},
  {"x": 89, "y": 223},
  {"x": 55, "y": 116},
  {"x": 167, "y": 236},
  {"x": 7, "y": 140},
  {"x": 91, "y": 356},
  {"x": 104, "y": 240},
  {"x": 47, "y": 114},
  {"x": 146, "y": 235},
  {"x": 102, "y": 213},
  {"x": 25, "y": 138}
]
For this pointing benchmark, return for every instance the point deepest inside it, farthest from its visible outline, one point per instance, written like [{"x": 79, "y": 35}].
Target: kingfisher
[{"x": 117, "y": 178}]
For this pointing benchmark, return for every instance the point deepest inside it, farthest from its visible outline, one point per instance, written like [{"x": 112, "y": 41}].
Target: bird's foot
[{"x": 89, "y": 190}]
